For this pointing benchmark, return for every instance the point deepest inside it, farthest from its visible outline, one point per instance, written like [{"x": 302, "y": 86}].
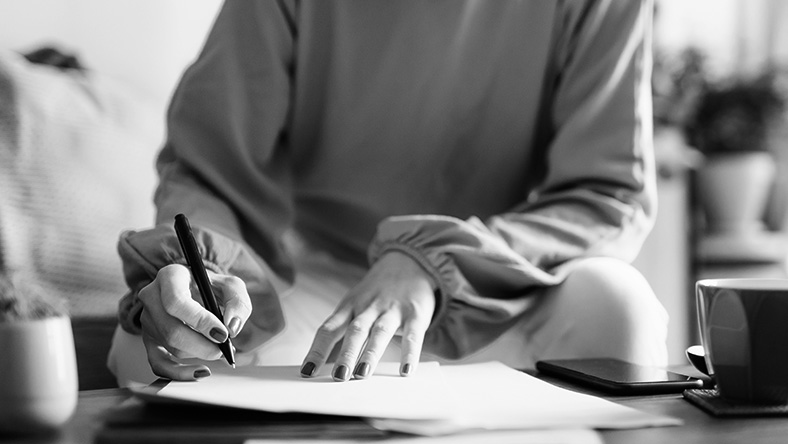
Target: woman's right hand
[{"x": 176, "y": 326}]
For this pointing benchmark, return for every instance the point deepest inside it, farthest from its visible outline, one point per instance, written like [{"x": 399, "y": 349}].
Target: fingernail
[
  {"x": 340, "y": 373},
  {"x": 361, "y": 370},
  {"x": 308, "y": 369},
  {"x": 202, "y": 373},
  {"x": 218, "y": 334},
  {"x": 234, "y": 326},
  {"x": 405, "y": 370}
]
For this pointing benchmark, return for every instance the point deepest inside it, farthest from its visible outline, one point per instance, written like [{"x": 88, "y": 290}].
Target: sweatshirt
[{"x": 494, "y": 142}]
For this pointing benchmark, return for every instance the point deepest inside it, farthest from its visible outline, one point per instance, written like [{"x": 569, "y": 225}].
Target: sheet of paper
[
  {"x": 492, "y": 396},
  {"x": 569, "y": 436},
  {"x": 280, "y": 389}
]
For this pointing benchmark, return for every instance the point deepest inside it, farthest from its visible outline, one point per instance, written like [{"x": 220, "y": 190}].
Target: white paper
[
  {"x": 435, "y": 401},
  {"x": 570, "y": 436},
  {"x": 492, "y": 396},
  {"x": 281, "y": 389}
]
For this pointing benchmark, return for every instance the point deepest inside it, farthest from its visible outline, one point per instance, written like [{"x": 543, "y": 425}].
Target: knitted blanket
[{"x": 76, "y": 169}]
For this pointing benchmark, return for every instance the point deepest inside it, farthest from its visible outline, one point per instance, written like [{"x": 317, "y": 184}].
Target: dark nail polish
[
  {"x": 405, "y": 370},
  {"x": 202, "y": 373},
  {"x": 234, "y": 326},
  {"x": 308, "y": 369},
  {"x": 341, "y": 373},
  {"x": 218, "y": 334},
  {"x": 362, "y": 369}
]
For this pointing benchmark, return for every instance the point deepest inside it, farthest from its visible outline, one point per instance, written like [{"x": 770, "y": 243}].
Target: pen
[{"x": 193, "y": 258}]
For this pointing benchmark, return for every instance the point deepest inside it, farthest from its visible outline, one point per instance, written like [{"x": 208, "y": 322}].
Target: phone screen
[{"x": 618, "y": 376}]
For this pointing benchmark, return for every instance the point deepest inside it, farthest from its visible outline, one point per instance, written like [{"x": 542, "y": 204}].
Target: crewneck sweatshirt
[{"x": 494, "y": 142}]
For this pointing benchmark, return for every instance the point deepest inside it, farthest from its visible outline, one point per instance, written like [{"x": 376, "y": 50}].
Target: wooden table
[{"x": 699, "y": 427}]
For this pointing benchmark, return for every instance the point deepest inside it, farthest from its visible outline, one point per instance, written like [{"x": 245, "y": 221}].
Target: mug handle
[{"x": 697, "y": 357}]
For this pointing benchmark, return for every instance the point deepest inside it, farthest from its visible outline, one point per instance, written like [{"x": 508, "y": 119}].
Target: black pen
[{"x": 193, "y": 258}]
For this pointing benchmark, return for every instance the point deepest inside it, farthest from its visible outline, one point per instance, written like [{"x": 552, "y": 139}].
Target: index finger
[
  {"x": 234, "y": 297},
  {"x": 176, "y": 297}
]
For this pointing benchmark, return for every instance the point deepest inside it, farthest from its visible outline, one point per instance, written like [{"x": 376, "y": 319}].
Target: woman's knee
[
  {"x": 613, "y": 312},
  {"x": 607, "y": 284}
]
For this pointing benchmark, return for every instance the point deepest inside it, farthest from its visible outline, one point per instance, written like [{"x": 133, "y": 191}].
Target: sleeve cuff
[{"x": 144, "y": 253}]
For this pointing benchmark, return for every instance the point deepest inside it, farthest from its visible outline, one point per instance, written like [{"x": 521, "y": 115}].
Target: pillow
[{"x": 77, "y": 154}]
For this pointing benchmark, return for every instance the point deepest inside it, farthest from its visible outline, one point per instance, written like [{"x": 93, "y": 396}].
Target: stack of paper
[
  {"x": 281, "y": 389},
  {"x": 437, "y": 400},
  {"x": 491, "y": 396}
]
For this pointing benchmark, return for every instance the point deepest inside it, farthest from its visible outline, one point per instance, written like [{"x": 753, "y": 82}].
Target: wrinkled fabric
[
  {"x": 495, "y": 142},
  {"x": 144, "y": 253}
]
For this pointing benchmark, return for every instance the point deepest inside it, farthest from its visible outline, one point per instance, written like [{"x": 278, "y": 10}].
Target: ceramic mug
[
  {"x": 38, "y": 375},
  {"x": 744, "y": 333}
]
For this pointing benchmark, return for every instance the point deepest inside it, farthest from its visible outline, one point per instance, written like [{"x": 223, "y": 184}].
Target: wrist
[
  {"x": 433, "y": 272},
  {"x": 408, "y": 264}
]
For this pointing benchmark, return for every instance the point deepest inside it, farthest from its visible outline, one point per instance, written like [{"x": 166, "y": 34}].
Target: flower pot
[
  {"x": 38, "y": 375},
  {"x": 733, "y": 191}
]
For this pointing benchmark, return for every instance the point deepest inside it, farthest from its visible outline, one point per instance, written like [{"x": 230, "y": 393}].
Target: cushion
[{"x": 77, "y": 154}]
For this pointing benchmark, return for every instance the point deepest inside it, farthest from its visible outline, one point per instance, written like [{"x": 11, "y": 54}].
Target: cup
[
  {"x": 744, "y": 333},
  {"x": 38, "y": 375}
]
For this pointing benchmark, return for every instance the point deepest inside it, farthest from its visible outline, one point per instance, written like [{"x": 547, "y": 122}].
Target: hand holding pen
[{"x": 176, "y": 326}]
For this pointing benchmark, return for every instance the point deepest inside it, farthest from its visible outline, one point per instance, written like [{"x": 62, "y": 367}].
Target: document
[
  {"x": 436, "y": 400},
  {"x": 492, "y": 396},
  {"x": 281, "y": 389}
]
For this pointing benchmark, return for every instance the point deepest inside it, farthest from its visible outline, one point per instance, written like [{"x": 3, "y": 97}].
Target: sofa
[{"x": 77, "y": 152}]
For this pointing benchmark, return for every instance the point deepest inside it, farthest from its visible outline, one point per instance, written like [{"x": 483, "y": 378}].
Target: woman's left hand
[{"x": 395, "y": 297}]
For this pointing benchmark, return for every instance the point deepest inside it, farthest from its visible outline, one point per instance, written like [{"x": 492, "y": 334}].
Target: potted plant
[
  {"x": 731, "y": 124},
  {"x": 677, "y": 82}
]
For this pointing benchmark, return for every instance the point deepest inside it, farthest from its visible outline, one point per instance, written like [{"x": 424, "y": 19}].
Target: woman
[{"x": 443, "y": 180}]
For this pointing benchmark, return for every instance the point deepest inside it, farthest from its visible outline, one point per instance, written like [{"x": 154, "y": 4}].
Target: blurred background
[
  {"x": 721, "y": 141},
  {"x": 144, "y": 43},
  {"x": 719, "y": 93}
]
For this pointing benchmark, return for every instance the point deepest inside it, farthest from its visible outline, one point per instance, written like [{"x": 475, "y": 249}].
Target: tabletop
[{"x": 95, "y": 406}]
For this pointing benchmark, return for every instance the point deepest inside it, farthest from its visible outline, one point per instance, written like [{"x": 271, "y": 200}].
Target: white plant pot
[
  {"x": 733, "y": 190},
  {"x": 38, "y": 375}
]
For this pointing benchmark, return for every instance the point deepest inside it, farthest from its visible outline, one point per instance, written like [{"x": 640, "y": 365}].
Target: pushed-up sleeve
[
  {"x": 597, "y": 198},
  {"x": 224, "y": 165},
  {"x": 225, "y": 162}
]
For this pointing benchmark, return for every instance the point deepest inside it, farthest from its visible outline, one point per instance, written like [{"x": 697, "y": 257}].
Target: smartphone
[{"x": 618, "y": 377}]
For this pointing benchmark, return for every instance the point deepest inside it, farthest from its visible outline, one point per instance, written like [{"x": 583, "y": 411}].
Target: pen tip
[{"x": 233, "y": 365}]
